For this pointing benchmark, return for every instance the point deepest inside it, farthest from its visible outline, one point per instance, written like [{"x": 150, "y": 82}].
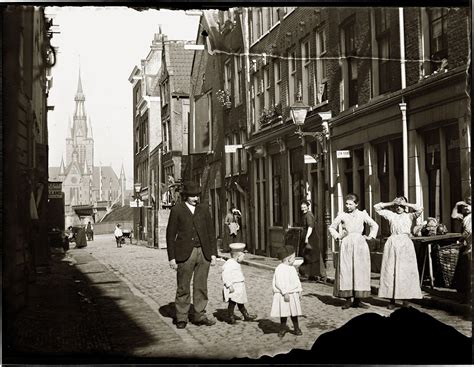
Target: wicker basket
[{"x": 445, "y": 259}]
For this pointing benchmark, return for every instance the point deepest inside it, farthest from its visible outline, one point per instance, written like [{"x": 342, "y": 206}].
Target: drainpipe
[
  {"x": 403, "y": 109},
  {"x": 403, "y": 105},
  {"x": 402, "y": 48},
  {"x": 246, "y": 40}
]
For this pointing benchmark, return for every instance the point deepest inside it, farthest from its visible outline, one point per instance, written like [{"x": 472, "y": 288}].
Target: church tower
[{"x": 80, "y": 137}]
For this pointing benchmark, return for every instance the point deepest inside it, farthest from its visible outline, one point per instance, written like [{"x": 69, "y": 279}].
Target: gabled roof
[
  {"x": 179, "y": 67},
  {"x": 107, "y": 174}
]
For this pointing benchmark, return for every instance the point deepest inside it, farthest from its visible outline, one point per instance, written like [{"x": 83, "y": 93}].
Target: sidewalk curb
[{"x": 428, "y": 300}]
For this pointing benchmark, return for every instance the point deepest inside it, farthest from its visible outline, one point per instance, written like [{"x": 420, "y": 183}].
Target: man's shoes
[
  {"x": 231, "y": 319},
  {"x": 347, "y": 304},
  {"x": 205, "y": 322},
  {"x": 181, "y": 324},
  {"x": 298, "y": 331}
]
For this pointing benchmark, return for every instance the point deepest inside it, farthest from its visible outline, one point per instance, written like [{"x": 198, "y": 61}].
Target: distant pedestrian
[
  {"x": 80, "y": 238},
  {"x": 118, "y": 235},
  {"x": 399, "y": 278},
  {"x": 233, "y": 278},
  {"x": 90, "y": 231},
  {"x": 286, "y": 291},
  {"x": 352, "y": 277},
  {"x": 311, "y": 247},
  {"x": 191, "y": 246},
  {"x": 231, "y": 227}
]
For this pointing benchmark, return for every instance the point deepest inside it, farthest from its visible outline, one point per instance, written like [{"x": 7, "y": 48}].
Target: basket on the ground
[{"x": 445, "y": 259}]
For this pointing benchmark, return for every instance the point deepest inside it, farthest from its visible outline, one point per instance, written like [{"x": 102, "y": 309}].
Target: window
[
  {"x": 238, "y": 80},
  {"x": 266, "y": 76},
  {"x": 243, "y": 152},
  {"x": 321, "y": 73},
  {"x": 349, "y": 64},
  {"x": 306, "y": 63},
  {"x": 433, "y": 165},
  {"x": 438, "y": 35},
  {"x": 275, "y": 17},
  {"x": 228, "y": 158},
  {"x": 276, "y": 190},
  {"x": 235, "y": 156},
  {"x": 297, "y": 183},
  {"x": 292, "y": 80},
  {"x": 227, "y": 76},
  {"x": 383, "y": 44},
  {"x": 259, "y": 22},
  {"x": 277, "y": 78},
  {"x": 453, "y": 163}
]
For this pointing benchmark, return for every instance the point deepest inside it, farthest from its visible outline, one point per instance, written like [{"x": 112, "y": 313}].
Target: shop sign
[
  {"x": 343, "y": 154},
  {"x": 55, "y": 190},
  {"x": 232, "y": 148},
  {"x": 133, "y": 204}
]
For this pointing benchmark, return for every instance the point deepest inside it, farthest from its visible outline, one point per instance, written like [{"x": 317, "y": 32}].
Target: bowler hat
[
  {"x": 191, "y": 188},
  {"x": 285, "y": 251}
]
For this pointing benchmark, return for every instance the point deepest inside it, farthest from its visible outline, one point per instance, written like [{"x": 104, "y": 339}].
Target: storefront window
[
  {"x": 432, "y": 159},
  {"x": 297, "y": 183}
]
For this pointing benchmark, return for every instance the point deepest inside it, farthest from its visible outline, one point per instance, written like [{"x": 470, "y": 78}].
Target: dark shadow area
[
  {"x": 70, "y": 319},
  {"x": 221, "y": 315},
  {"x": 378, "y": 302},
  {"x": 269, "y": 326},
  {"x": 328, "y": 300},
  {"x": 407, "y": 336},
  {"x": 110, "y": 282},
  {"x": 169, "y": 311}
]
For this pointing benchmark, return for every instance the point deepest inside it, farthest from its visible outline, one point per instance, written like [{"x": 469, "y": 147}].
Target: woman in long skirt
[
  {"x": 311, "y": 247},
  {"x": 353, "y": 264},
  {"x": 399, "y": 278}
]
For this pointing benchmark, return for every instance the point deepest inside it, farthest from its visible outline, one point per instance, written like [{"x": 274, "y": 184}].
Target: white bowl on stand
[{"x": 298, "y": 262}]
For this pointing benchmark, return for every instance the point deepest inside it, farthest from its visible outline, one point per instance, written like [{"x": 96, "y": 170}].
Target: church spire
[{"x": 62, "y": 170}]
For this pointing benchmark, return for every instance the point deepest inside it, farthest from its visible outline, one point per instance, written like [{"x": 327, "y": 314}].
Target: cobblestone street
[{"x": 147, "y": 274}]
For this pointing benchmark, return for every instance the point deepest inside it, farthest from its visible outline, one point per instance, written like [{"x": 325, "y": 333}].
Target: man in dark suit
[{"x": 191, "y": 246}]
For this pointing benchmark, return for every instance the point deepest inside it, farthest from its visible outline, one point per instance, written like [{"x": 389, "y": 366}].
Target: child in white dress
[
  {"x": 234, "y": 290},
  {"x": 352, "y": 277},
  {"x": 399, "y": 277},
  {"x": 286, "y": 291}
]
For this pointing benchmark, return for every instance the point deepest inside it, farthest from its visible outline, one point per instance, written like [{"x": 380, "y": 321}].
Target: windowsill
[{"x": 319, "y": 105}]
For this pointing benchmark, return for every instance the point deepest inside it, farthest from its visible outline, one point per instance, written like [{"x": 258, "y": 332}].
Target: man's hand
[
  {"x": 213, "y": 260},
  {"x": 231, "y": 289},
  {"x": 173, "y": 264},
  {"x": 286, "y": 297}
]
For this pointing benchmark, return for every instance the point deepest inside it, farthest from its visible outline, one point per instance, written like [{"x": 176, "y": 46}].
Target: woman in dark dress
[
  {"x": 313, "y": 267},
  {"x": 81, "y": 240}
]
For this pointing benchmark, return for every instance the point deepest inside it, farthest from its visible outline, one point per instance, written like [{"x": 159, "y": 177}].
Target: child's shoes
[
  {"x": 283, "y": 331},
  {"x": 298, "y": 331},
  {"x": 248, "y": 317}
]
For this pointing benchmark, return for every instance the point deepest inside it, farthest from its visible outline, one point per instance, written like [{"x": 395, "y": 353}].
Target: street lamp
[
  {"x": 138, "y": 187},
  {"x": 298, "y": 113}
]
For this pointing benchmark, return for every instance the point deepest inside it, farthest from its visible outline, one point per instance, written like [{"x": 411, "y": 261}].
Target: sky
[{"x": 105, "y": 43}]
